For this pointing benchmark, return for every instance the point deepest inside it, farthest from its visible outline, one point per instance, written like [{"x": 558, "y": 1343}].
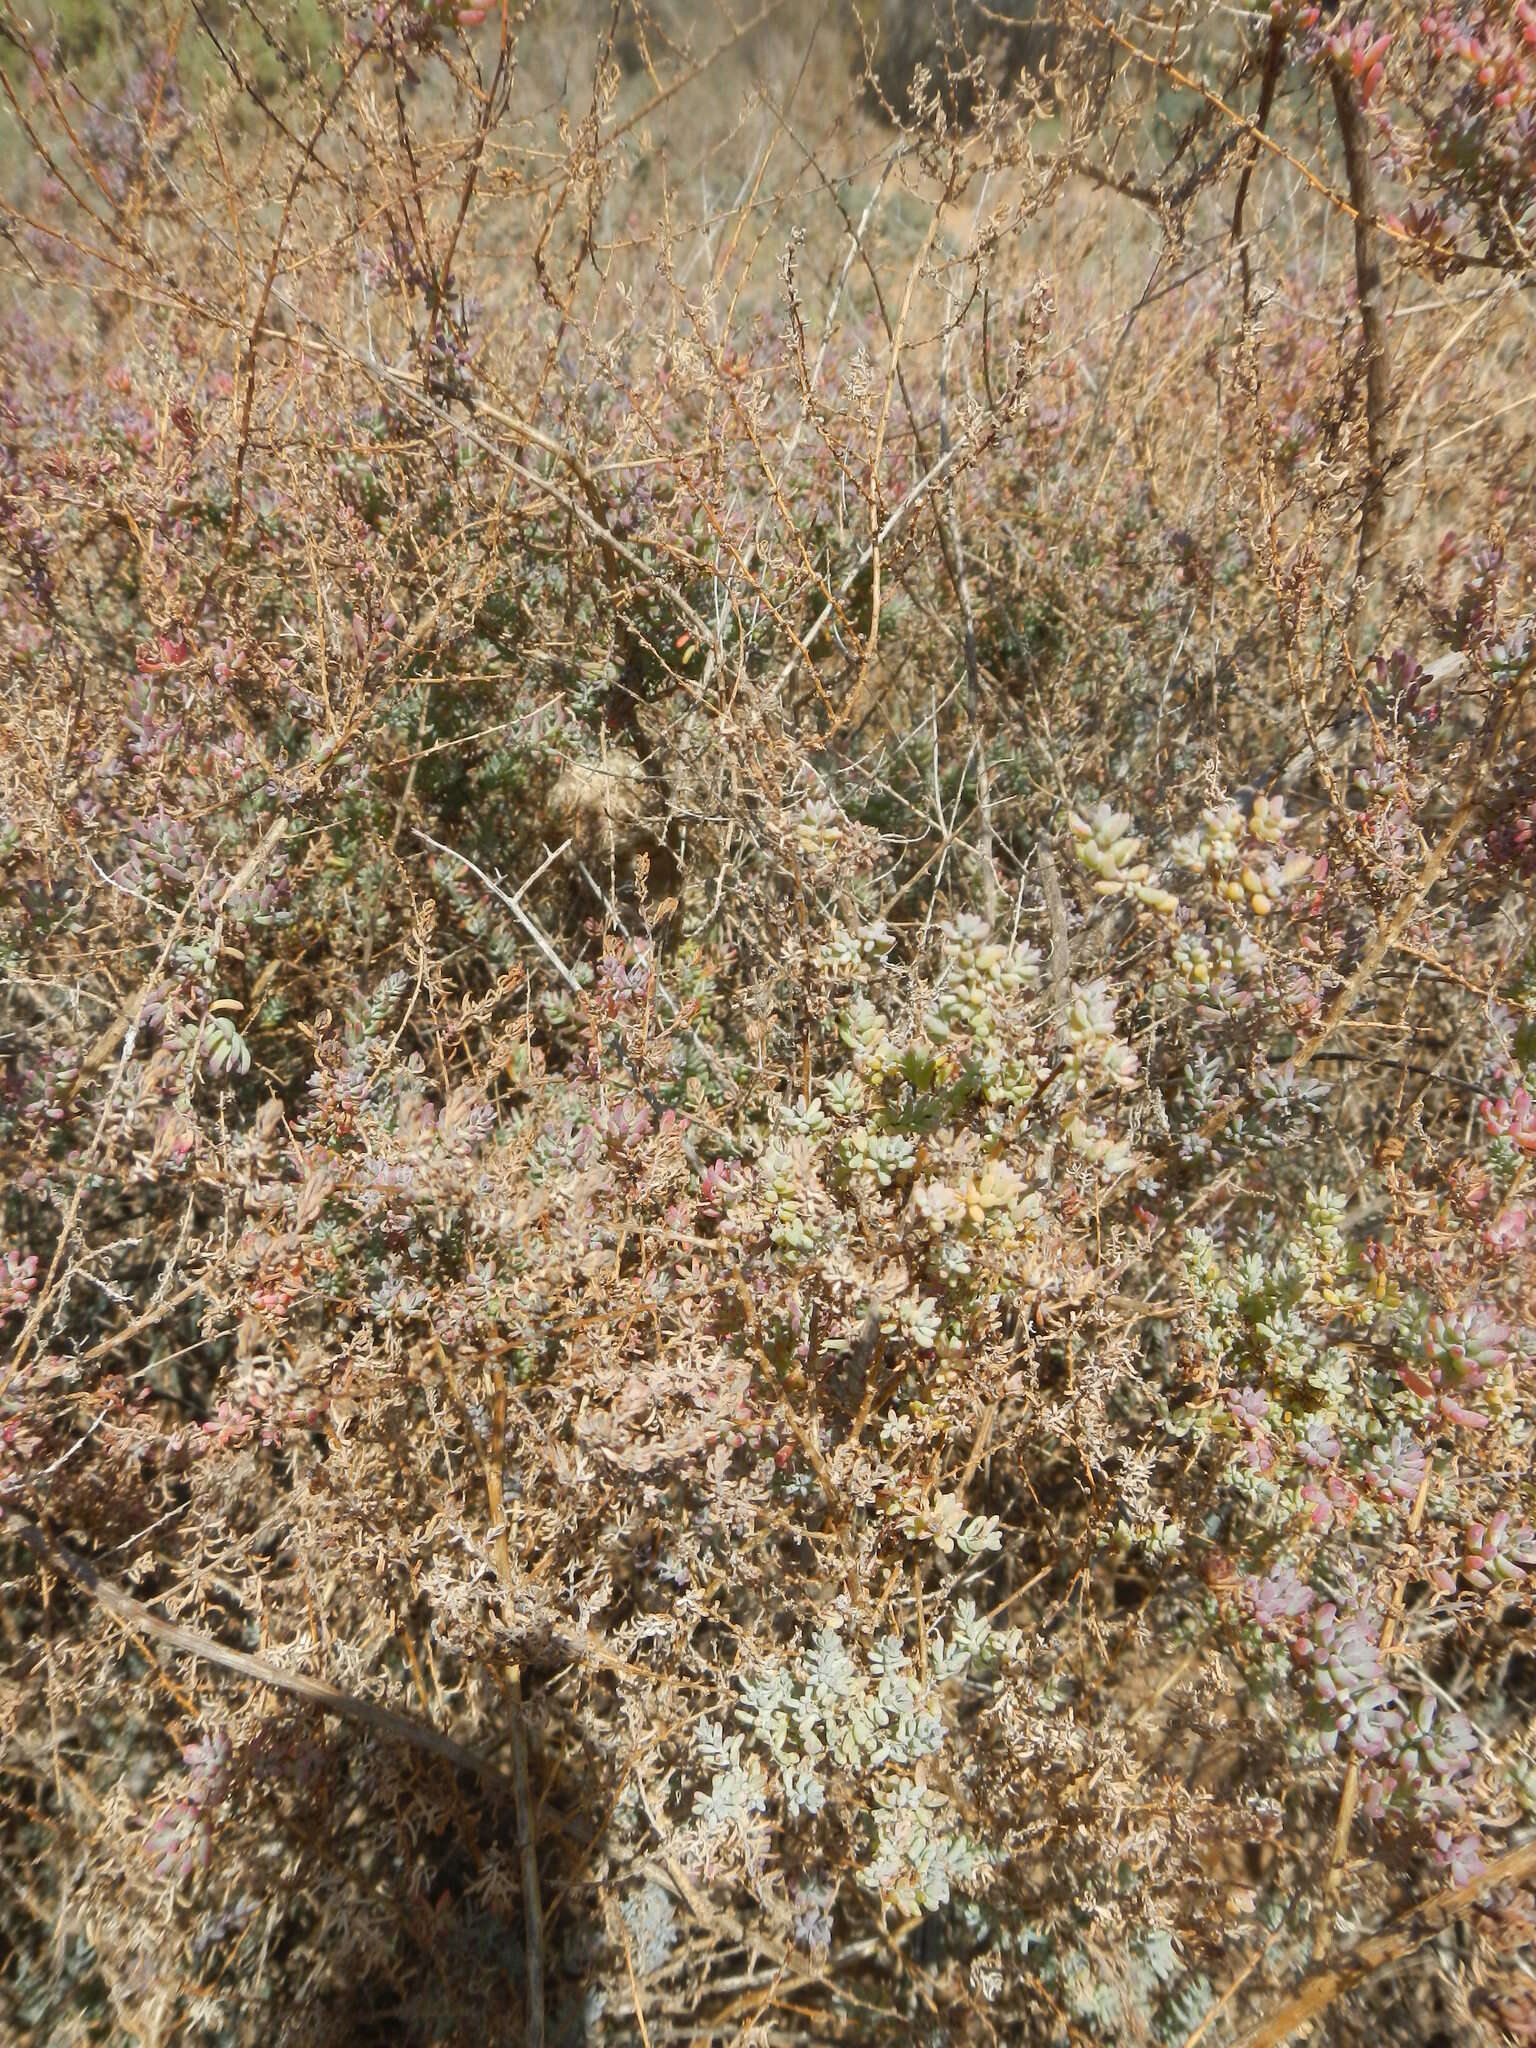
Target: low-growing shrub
[{"x": 768, "y": 1080}]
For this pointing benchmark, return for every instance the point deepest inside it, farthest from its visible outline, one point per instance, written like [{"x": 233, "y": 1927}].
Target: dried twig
[
  {"x": 514, "y": 903},
  {"x": 1380, "y": 1951},
  {"x": 314, "y": 1692},
  {"x": 1371, "y": 294},
  {"x": 1061, "y": 944},
  {"x": 491, "y": 1464}
]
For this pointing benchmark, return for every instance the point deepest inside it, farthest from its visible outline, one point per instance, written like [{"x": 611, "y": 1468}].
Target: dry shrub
[{"x": 768, "y": 1072}]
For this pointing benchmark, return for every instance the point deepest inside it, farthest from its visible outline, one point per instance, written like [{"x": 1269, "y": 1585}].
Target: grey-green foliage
[{"x": 876, "y": 1720}]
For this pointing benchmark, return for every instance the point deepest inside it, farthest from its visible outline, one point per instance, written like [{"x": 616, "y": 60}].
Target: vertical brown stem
[
  {"x": 527, "y": 1845},
  {"x": 952, "y": 544},
  {"x": 1370, "y": 292},
  {"x": 1272, "y": 65}
]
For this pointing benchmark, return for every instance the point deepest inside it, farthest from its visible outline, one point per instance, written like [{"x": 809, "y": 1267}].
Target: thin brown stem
[
  {"x": 314, "y": 1692},
  {"x": 1376, "y": 345}
]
